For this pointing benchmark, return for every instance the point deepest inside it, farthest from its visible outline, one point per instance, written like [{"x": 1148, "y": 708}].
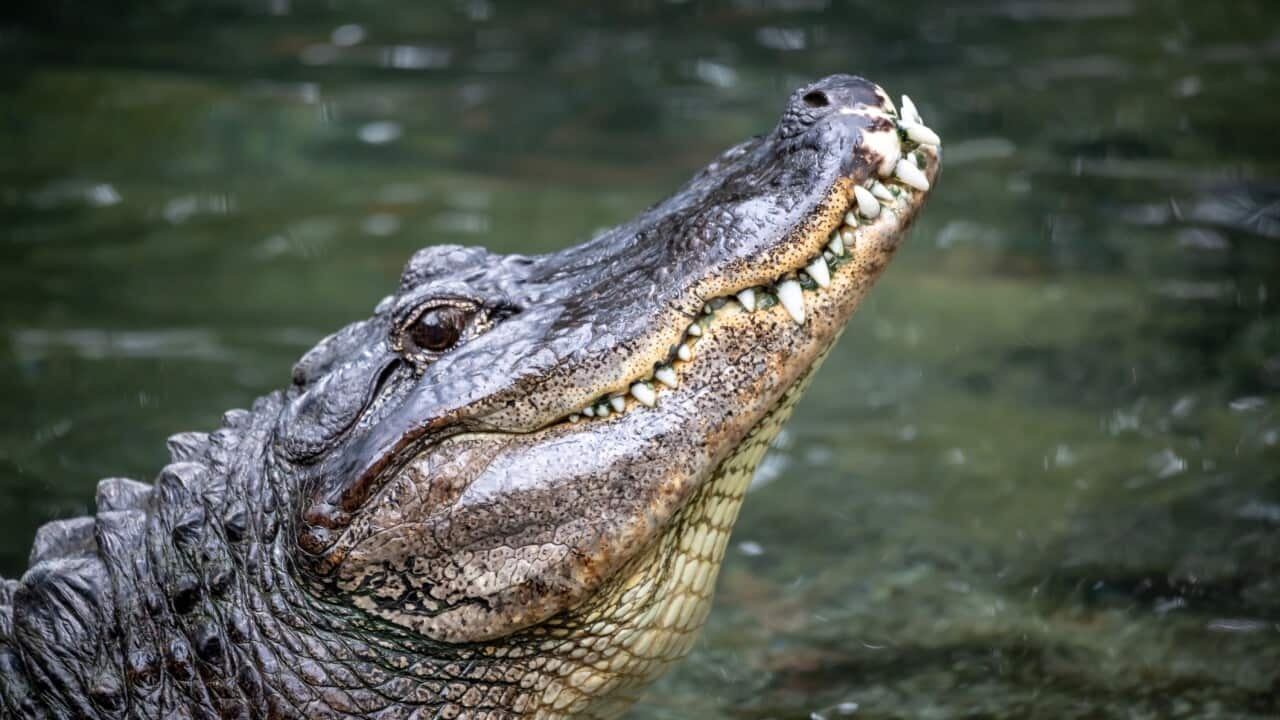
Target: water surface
[{"x": 1039, "y": 477}]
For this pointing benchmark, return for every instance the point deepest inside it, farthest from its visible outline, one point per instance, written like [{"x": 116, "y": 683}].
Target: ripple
[
  {"x": 380, "y": 133},
  {"x": 100, "y": 344}
]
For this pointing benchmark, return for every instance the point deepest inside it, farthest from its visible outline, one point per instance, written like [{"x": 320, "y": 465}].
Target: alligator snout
[
  {"x": 832, "y": 97},
  {"x": 837, "y": 92}
]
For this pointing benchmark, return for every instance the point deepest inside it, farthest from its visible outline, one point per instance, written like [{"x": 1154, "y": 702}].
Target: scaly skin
[{"x": 505, "y": 494}]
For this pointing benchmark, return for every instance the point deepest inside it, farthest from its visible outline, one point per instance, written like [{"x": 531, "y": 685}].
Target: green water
[{"x": 1040, "y": 476}]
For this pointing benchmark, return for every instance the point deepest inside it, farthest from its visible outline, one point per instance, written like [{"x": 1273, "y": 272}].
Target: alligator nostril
[{"x": 816, "y": 99}]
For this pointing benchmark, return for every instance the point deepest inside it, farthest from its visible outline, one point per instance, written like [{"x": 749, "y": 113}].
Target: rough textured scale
[{"x": 508, "y": 492}]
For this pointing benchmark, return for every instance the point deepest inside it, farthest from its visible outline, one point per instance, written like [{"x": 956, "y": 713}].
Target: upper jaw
[
  {"x": 763, "y": 211},
  {"x": 863, "y": 171}
]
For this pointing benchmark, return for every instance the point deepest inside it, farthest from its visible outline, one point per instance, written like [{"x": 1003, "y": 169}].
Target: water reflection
[{"x": 1038, "y": 477}]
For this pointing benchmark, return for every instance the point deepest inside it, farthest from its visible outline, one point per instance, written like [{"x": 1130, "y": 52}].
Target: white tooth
[
  {"x": 826, "y": 255},
  {"x": 850, "y": 218},
  {"x": 819, "y": 272},
  {"x": 684, "y": 353},
  {"x": 748, "y": 299},
  {"x": 603, "y": 410},
  {"x": 695, "y": 330},
  {"x": 911, "y": 175},
  {"x": 836, "y": 245},
  {"x": 618, "y": 403},
  {"x": 867, "y": 203},
  {"x": 792, "y": 299},
  {"x": 575, "y": 418},
  {"x": 909, "y": 111},
  {"x": 921, "y": 134},
  {"x": 879, "y": 190},
  {"x": 644, "y": 394},
  {"x": 666, "y": 375},
  {"x": 848, "y": 238},
  {"x": 891, "y": 157},
  {"x": 589, "y": 411}
]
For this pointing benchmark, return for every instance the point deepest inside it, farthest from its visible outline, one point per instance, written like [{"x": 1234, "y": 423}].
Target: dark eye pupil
[{"x": 438, "y": 329}]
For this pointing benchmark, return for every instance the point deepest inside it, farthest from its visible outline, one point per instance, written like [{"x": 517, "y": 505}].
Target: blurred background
[{"x": 1039, "y": 477}]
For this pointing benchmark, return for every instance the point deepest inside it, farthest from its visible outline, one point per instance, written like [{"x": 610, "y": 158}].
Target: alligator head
[
  {"x": 526, "y": 468},
  {"x": 510, "y": 439}
]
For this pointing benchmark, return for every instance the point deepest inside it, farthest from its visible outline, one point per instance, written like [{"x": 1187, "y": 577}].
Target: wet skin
[{"x": 507, "y": 493}]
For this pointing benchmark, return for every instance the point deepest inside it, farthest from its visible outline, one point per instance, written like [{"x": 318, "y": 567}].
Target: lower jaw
[{"x": 655, "y": 607}]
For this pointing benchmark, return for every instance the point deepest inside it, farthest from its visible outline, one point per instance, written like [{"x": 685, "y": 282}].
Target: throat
[{"x": 597, "y": 659}]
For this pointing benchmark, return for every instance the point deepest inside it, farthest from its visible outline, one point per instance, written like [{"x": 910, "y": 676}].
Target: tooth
[
  {"x": 684, "y": 353},
  {"x": 850, "y": 218},
  {"x": 921, "y": 134},
  {"x": 644, "y": 394},
  {"x": 589, "y": 411},
  {"x": 748, "y": 299},
  {"x": 885, "y": 145},
  {"x": 666, "y": 375},
  {"x": 819, "y": 272},
  {"x": 884, "y": 193},
  {"x": 836, "y": 244},
  {"x": 792, "y": 299},
  {"x": 867, "y": 203},
  {"x": 911, "y": 175},
  {"x": 826, "y": 255},
  {"x": 848, "y": 238},
  {"x": 618, "y": 403},
  {"x": 695, "y": 330},
  {"x": 575, "y": 418},
  {"x": 603, "y": 410},
  {"x": 909, "y": 111},
  {"x": 891, "y": 157}
]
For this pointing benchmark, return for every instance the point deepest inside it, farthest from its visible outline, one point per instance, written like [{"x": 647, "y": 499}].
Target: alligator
[{"x": 505, "y": 494}]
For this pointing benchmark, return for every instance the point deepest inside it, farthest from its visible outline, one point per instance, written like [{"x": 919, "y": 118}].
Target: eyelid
[{"x": 410, "y": 314}]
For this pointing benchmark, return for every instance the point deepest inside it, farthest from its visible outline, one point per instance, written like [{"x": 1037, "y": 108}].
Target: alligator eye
[
  {"x": 439, "y": 329},
  {"x": 436, "y": 328}
]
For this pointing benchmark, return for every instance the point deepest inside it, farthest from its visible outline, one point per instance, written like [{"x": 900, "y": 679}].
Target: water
[{"x": 1039, "y": 477}]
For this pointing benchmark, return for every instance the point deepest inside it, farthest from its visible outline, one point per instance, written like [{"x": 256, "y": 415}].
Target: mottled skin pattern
[{"x": 425, "y": 524}]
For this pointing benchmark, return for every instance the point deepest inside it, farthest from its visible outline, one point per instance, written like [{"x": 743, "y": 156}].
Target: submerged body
[{"x": 508, "y": 492}]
